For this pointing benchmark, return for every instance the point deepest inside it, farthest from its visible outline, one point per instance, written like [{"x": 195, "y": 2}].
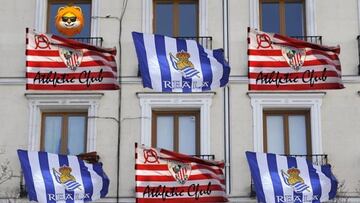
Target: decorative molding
[
  {"x": 309, "y": 16},
  {"x": 311, "y": 101},
  {"x": 202, "y": 101},
  {"x": 147, "y": 17},
  {"x": 40, "y": 15},
  {"x": 42, "y": 102},
  {"x": 254, "y": 14}
]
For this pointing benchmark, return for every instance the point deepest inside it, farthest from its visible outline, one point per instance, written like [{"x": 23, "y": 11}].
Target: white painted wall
[{"x": 337, "y": 22}]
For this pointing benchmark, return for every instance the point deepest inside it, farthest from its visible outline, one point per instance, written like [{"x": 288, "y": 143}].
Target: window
[
  {"x": 263, "y": 102},
  {"x": 177, "y": 131},
  {"x": 54, "y": 5},
  {"x": 41, "y": 104},
  {"x": 153, "y": 102},
  {"x": 176, "y": 17},
  {"x": 287, "y": 132},
  {"x": 64, "y": 132},
  {"x": 283, "y": 16}
]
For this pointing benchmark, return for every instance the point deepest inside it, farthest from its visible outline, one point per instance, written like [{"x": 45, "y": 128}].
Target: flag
[
  {"x": 56, "y": 63},
  {"x": 278, "y": 62},
  {"x": 177, "y": 65},
  {"x": 166, "y": 176},
  {"x": 53, "y": 177},
  {"x": 280, "y": 179}
]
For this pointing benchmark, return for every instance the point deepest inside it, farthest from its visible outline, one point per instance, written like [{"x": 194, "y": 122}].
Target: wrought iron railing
[
  {"x": 96, "y": 41},
  {"x": 312, "y": 39},
  {"x": 205, "y": 41},
  {"x": 317, "y": 159},
  {"x": 205, "y": 156}
]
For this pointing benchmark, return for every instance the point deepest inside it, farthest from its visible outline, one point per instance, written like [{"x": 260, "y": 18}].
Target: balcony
[
  {"x": 95, "y": 41},
  {"x": 205, "y": 41},
  {"x": 317, "y": 159},
  {"x": 311, "y": 39}
]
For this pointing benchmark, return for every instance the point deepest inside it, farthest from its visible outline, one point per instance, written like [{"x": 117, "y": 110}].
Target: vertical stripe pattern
[
  {"x": 56, "y": 63},
  {"x": 52, "y": 178},
  {"x": 280, "y": 179},
  {"x": 177, "y": 65},
  {"x": 278, "y": 62},
  {"x": 166, "y": 176}
]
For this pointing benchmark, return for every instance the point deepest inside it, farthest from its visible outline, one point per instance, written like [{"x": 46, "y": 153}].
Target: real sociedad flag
[
  {"x": 53, "y": 177},
  {"x": 177, "y": 65},
  {"x": 280, "y": 179}
]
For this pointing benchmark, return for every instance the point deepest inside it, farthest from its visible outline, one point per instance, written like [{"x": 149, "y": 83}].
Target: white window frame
[
  {"x": 202, "y": 101},
  {"x": 311, "y": 101},
  {"x": 41, "y": 102},
  {"x": 147, "y": 17},
  {"x": 310, "y": 16},
  {"x": 41, "y": 16}
]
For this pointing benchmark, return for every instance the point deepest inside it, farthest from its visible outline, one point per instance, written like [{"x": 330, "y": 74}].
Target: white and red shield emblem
[
  {"x": 294, "y": 57},
  {"x": 180, "y": 171},
  {"x": 71, "y": 57}
]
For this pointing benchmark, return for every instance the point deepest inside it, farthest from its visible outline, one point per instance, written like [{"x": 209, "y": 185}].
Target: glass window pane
[
  {"x": 164, "y": 19},
  {"x": 270, "y": 17},
  {"x": 86, "y": 10},
  {"x": 187, "y": 19},
  {"x": 165, "y": 132},
  {"x": 187, "y": 135},
  {"x": 294, "y": 19},
  {"x": 52, "y": 137},
  {"x": 76, "y": 134},
  {"x": 275, "y": 134},
  {"x": 297, "y": 134}
]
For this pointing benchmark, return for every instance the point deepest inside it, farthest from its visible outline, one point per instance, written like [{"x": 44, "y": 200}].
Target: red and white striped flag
[
  {"x": 166, "y": 176},
  {"x": 278, "y": 62},
  {"x": 56, "y": 63}
]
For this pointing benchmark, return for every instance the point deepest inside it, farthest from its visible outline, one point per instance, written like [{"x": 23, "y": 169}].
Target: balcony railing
[
  {"x": 210, "y": 157},
  {"x": 96, "y": 41},
  {"x": 317, "y": 159},
  {"x": 312, "y": 39},
  {"x": 205, "y": 41}
]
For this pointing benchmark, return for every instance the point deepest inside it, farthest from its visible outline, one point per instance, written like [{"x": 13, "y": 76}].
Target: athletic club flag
[
  {"x": 166, "y": 176},
  {"x": 280, "y": 179},
  {"x": 278, "y": 62},
  {"x": 56, "y": 63},
  {"x": 177, "y": 65},
  {"x": 53, "y": 177}
]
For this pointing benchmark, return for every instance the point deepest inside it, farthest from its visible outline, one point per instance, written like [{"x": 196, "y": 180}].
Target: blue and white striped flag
[
  {"x": 280, "y": 179},
  {"x": 177, "y": 65},
  {"x": 53, "y": 177}
]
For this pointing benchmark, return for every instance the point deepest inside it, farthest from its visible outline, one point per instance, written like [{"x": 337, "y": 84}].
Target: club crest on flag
[
  {"x": 180, "y": 171},
  {"x": 293, "y": 179},
  {"x": 64, "y": 177},
  {"x": 71, "y": 57},
  {"x": 181, "y": 63},
  {"x": 294, "y": 57}
]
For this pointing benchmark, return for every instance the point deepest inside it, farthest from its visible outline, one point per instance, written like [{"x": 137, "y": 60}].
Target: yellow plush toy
[{"x": 69, "y": 20}]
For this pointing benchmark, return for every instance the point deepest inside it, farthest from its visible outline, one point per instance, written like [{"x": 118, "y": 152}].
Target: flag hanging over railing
[
  {"x": 56, "y": 63},
  {"x": 178, "y": 65},
  {"x": 280, "y": 179},
  {"x": 166, "y": 176},
  {"x": 53, "y": 177},
  {"x": 278, "y": 62}
]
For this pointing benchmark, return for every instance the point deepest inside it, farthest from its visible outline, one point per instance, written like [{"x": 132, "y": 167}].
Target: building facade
[{"x": 222, "y": 124}]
